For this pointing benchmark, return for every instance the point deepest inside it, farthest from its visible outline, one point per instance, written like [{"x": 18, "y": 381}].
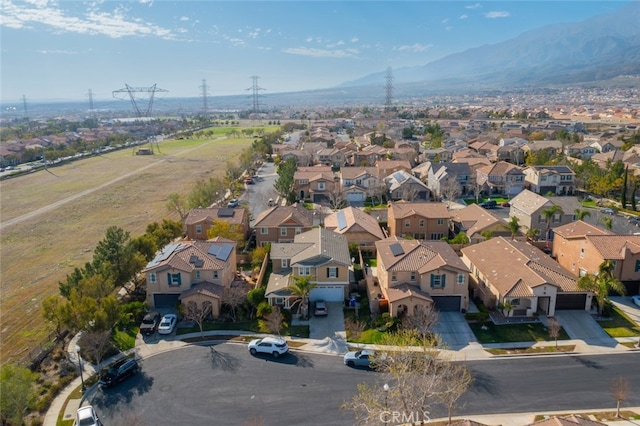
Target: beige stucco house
[
  {"x": 422, "y": 221},
  {"x": 412, "y": 273}
]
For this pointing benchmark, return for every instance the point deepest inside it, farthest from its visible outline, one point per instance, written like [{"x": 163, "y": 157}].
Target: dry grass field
[{"x": 52, "y": 220}]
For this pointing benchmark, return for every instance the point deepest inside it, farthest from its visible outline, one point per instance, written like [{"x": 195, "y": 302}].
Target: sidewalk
[{"x": 337, "y": 347}]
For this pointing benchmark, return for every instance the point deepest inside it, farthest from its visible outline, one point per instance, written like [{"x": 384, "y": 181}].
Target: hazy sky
[{"x": 61, "y": 49}]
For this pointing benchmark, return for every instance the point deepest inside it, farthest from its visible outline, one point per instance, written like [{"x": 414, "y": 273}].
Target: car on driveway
[
  {"x": 489, "y": 204},
  {"x": 268, "y": 345},
  {"x": 320, "y": 308},
  {"x": 167, "y": 324},
  {"x": 118, "y": 371},
  {"x": 636, "y": 299},
  {"x": 149, "y": 323},
  {"x": 86, "y": 416},
  {"x": 233, "y": 203},
  {"x": 363, "y": 358},
  {"x": 634, "y": 220},
  {"x": 609, "y": 211}
]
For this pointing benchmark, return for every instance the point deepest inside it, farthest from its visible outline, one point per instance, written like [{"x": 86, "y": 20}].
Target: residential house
[
  {"x": 505, "y": 270},
  {"x": 441, "y": 176},
  {"x": 358, "y": 183},
  {"x": 477, "y": 223},
  {"x": 281, "y": 224},
  {"x": 330, "y": 157},
  {"x": 511, "y": 153},
  {"x": 318, "y": 254},
  {"x": 581, "y": 248},
  {"x": 580, "y": 150},
  {"x": 559, "y": 180},
  {"x": 369, "y": 155},
  {"x": 191, "y": 271},
  {"x": 359, "y": 227},
  {"x": 199, "y": 221},
  {"x": 386, "y": 167},
  {"x": 313, "y": 183},
  {"x": 402, "y": 185},
  {"x": 603, "y": 159},
  {"x": 422, "y": 221},
  {"x": 412, "y": 274},
  {"x": 553, "y": 148},
  {"x": 530, "y": 208},
  {"x": 501, "y": 178},
  {"x": 303, "y": 158}
]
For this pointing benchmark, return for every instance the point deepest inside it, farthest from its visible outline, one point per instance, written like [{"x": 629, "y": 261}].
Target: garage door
[
  {"x": 329, "y": 293},
  {"x": 355, "y": 197},
  {"x": 447, "y": 303},
  {"x": 165, "y": 300},
  {"x": 571, "y": 301}
]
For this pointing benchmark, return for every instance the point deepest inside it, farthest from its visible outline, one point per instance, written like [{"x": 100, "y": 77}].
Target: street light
[
  {"x": 386, "y": 388},
  {"x": 80, "y": 367}
]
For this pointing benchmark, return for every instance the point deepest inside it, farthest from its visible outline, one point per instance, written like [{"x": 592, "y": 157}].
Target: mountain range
[{"x": 601, "y": 48}]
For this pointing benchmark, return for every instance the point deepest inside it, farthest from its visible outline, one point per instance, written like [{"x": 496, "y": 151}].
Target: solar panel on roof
[
  {"x": 226, "y": 212},
  {"x": 214, "y": 249},
  {"x": 396, "y": 249},
  {"x": 399, "y": 177},
  {"x": 342, "y": 220},
  {"x": 224, "y": 252}
]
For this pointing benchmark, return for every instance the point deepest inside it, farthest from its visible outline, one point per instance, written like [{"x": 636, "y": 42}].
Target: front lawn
[
  {"x": 124, "y": 336},
  {"x": 295, "y": 330},
  {"x": 510, "y": 333},
  {"x": 619, "y": 324}
]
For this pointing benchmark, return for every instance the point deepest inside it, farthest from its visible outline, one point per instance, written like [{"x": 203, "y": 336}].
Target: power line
[{"x": 131, "y": 91}]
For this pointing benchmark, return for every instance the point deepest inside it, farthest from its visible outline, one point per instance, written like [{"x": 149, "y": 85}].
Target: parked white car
[
  {"x": 167, "y": 324},
  {"x": 269, "y": 345},
  {"x": 86, "y": 416}
]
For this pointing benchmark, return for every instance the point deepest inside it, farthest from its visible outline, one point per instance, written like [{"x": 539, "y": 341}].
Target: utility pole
[{"x": 255, "y": 93}]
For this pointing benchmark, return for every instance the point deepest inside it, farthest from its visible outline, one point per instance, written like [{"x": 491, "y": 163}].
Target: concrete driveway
[
  {"x": 329, "y": 330},
  {"x": 580, "y": 325},
  {"x": 454, "y": 330}
]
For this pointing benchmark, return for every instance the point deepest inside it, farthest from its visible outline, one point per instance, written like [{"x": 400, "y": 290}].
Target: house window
[
  {"x": 321, "y": 186},
  {"x": 460, "y": 279},
  {"x": 332, "y": 272},
  {"x": 438, "y": 281},
  {"x": 542, "y": 219},
  {"x": 174, "y": 279},
  {"x": 298, "y": 231},
  {"x": 440, "y": 221},
  {"x": 304, "y": 271},
  {"x": 614, "y": 263},
  {"x": 437, "y": 236},
  {"x": 581, "y": 252},
  {"x": 283, "y": 232},
  {"x": 197, "y": 275},
  {"x": 515, "y": 302},
  {"x": 264, "y": 231},
  {"x": 198, "y": 229},
  {"x": 154, "y": 279},
  {"x": 582, "y": 272},
  {"x": 413, "y": 276},
  {"x": 556, "y": 218},
  {"x": 284, "y": 263},
  {"x": 407, "y": 223},
  {"x": 637, "y": 266},
  {"x": 421, "y": 223},
  {"x": 215, "y": 275},
  {"x": 394, "y": 277}
]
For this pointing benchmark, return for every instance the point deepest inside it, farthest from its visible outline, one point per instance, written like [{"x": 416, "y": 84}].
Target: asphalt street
[{"x": 199, "y": 384}]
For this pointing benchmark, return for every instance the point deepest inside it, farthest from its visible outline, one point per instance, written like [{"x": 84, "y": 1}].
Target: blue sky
[{"x": 58, "y": 50}]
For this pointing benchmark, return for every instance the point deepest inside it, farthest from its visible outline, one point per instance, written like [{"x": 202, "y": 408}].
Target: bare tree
[
  {"x": 274, "y": 321},
  {"x": 234, "y": 296},
  {"x": 456, "y": 381},
  {"x": 619, "y": 390},
  {"x": 477, "y": 189},
  {"x": 409, "y": 192},
  {"x": 451, "y": 189},
  {"x": 354, "y": 328},
  {"x": 337, "y": 199},
  {"x": 198, "y": 313},
  {"x": 96, "y": 344},
  {"x": 554, "y": 327},
  {"x": 423, "y": 320}
]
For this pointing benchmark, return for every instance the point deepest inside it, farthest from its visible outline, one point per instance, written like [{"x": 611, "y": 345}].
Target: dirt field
[{"x": 52, "y": 220}]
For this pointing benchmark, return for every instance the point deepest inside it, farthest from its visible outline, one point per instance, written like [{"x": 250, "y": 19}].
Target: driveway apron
[
  {"x": 580, "y": 325},
  {"x": 330, "y": 328},
  {"x": 454, "y": 330}
]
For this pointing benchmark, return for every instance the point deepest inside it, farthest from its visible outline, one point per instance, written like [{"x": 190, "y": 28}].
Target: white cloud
[
  {"x": 184, "y": 18},
  {"x": 322, "y": 53},
  {"x": 473, "y": 6},
  {"x": 417, "y": 47},
  {"x": 308, "y": 39},
  {"x": 463, "y": 16},
  {"x": 497, "y": 14},
  {"x": 354, "y": 40},
  {"x": 444, "y": 21},
  {"x": 58, "y": 52},
  {"x": 114, "y": 24},
  {"x": 149, "y": 2}
]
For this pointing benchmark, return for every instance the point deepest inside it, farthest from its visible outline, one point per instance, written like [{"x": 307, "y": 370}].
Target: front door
[{"x": 543, "y": 305}]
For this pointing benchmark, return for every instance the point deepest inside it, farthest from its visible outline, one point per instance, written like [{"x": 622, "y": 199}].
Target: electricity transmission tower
[
  {"x": 92, "y": 110},
  {"x": 132, "y": 91},
  {"x": 255, "y": 93},
  {"x": 388, "y": 90},
  {"x": 24, "y": 106},
  {"x": 203, "y": 89}
]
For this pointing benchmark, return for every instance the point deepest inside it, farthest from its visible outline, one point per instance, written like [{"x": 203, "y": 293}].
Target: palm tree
[
  {"x": 548, "y": 215},
  {"x": 513, "y": 226},
  {"x": 601, "y": 284},
  {"x": 607, "y": 221},
  {"x": 533, "y": 234},
  {"x": 302, "y": 287},
  {"x": 581, "y": 214},
  {"x": 487, "y": 234}
]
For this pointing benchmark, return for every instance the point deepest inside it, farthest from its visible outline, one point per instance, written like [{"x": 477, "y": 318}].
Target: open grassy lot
[{"x": 76, "y": 203}]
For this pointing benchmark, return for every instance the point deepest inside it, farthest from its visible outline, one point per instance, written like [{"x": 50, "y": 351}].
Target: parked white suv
[{"x": 269, "y": 345}]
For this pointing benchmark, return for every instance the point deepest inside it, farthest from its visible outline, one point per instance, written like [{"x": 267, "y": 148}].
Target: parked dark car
[
  {"x": 489, "y": 204},
  {"x": 320, "y": 308},
  {"x": 149, "y": 323},
  {"x": 119, "y": 371}
]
